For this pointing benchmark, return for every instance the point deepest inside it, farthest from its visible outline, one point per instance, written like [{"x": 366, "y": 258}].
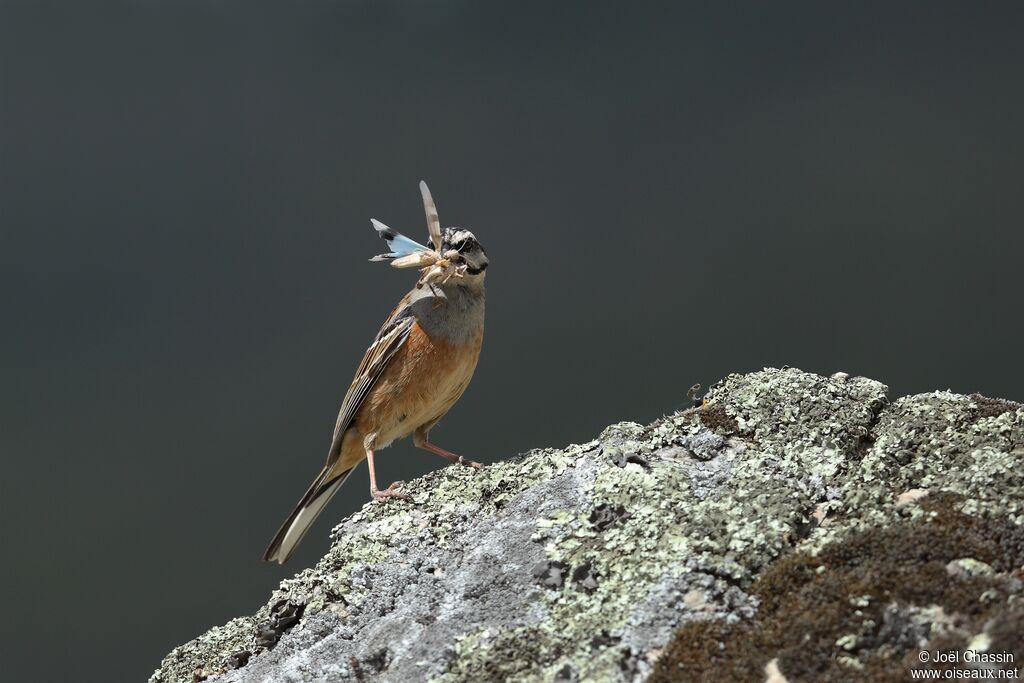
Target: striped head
[
  {"x": 454, "y": 255},
  {"x": 468, "y": 250}
]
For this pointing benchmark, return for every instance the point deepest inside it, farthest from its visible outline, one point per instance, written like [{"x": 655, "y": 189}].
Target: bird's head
[
  {"x": 467, "y": 250},
  {"x": 455, "y": 256}
]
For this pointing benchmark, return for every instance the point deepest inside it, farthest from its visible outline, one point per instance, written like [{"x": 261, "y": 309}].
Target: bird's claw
[{"x": 391, "y": 491}]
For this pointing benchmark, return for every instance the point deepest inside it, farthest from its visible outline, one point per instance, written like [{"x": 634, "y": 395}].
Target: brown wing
[
  {"x": 433, "y": 223},
  {"x": 389, "y": 340}
]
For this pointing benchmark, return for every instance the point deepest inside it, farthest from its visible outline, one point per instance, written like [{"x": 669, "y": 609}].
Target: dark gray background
[{"x": 666, "y": 196}]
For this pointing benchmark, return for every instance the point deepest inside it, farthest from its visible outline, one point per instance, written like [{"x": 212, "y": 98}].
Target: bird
[{"x": 417, "y": 367}]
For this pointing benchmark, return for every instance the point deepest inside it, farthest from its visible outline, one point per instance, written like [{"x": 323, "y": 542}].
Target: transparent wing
[{"x": 399, "y": 244}]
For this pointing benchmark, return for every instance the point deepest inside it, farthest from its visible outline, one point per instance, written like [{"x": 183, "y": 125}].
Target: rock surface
[{"x": 792, "y": 527}]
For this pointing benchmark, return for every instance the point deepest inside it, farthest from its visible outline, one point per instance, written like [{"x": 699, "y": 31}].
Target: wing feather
[
  {"x": 433, "y": 222},
  {"x": 399, "y": 244},
  {"x": 389, "y": 340}
]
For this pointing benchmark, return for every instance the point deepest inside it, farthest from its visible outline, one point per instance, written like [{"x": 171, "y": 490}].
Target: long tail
[{"x": 312, "y": 503}]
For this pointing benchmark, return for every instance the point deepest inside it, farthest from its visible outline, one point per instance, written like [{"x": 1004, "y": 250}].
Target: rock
[
  {"x": 694, "y": 546},
  {"x": 966, "y": 568},
  {"x": 771, "y": 669}
]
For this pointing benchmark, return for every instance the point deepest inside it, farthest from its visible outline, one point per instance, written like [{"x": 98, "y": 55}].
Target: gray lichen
[{"x": 580, "y": 563}]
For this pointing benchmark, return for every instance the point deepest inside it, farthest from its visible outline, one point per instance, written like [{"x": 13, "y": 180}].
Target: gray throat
[{"x": 452, "y": 312}]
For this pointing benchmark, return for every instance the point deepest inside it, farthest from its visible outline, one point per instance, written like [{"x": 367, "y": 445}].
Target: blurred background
[{"x": 667, "y": 193}]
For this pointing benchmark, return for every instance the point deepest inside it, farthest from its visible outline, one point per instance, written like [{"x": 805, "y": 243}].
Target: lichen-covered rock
[{"x": 792, "y": 523}]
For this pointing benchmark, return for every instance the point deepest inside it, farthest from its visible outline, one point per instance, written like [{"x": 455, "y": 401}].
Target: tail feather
[{"x": 312, "y": 503}]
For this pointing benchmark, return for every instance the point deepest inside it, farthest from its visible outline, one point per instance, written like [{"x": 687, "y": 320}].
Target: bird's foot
[
  {"x": 392, "y": 491},
  {"x": 466, "y": 462},
  {"x": 447, "y": 455}
]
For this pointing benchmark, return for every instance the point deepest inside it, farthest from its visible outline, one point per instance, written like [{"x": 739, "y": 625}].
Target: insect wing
[
  {"x": 433, "y": 223},
  {"x": 416, "y": 260},
  {"x": 399, "y": 244}
]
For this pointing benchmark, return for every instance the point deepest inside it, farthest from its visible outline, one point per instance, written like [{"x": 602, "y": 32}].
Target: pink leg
[
  {"x": 420, "y": 440},
  {"x": 391, "y": 491}
]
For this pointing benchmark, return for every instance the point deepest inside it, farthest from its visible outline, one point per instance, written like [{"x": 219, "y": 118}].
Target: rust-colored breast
[{"x": 421, "y": 383}]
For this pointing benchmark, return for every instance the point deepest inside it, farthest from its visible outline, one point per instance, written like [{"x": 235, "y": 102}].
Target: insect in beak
[{"x": 437, "y": 267}]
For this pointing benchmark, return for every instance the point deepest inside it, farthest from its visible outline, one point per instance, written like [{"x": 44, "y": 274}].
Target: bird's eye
[{"x": 468, "y": 244}]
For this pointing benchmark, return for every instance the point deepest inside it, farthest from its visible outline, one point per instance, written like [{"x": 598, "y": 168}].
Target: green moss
[
  {"x": 946, "y": 442},
  {"x": 671, "y": 531},
  {"x": 857, "y": 610},
  {"x": 207, "y": 653}
]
